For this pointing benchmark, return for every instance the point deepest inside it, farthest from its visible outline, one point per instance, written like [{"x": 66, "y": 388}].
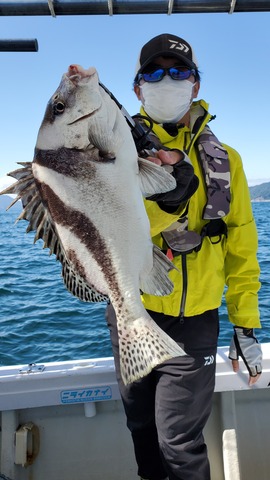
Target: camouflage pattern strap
[{"x": 216, "y": 168}]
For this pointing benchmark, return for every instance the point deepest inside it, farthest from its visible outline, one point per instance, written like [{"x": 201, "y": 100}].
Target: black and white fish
[{"x": 82, "y": 194}]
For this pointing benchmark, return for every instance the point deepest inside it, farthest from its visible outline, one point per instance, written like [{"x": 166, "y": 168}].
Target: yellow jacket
[{"x": 231, "y": 262}]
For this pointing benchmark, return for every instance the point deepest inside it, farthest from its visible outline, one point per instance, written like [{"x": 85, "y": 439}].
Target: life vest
[{"x": 214, "y": 162}]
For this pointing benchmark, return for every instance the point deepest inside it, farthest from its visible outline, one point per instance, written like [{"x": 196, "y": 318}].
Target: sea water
[{"x": 40, "y": 321}]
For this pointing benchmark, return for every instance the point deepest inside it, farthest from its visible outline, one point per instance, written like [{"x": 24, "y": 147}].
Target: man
[{"x": 213, "y": 243}]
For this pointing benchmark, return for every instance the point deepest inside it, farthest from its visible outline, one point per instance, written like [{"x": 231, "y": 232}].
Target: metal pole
[
  {"x": 128, "y": 7},
  {"x": 19, "y": 45}
]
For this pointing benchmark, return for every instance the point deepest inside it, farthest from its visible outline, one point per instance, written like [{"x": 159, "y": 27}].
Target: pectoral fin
[{"x": 154, "y": 178}]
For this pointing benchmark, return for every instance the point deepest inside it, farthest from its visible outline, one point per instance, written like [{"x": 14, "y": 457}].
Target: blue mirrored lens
[
  {"x": 176, "y": 73},
  {"x": 155, "y": 76}
]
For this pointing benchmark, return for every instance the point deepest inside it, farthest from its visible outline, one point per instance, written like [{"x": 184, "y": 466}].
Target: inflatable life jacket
[
  {"x": 215, "y": 166},
  {"x": 214, "y": 162}
]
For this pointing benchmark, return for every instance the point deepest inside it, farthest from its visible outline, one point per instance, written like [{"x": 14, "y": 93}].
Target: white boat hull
[{"x": 68, "y": 423}]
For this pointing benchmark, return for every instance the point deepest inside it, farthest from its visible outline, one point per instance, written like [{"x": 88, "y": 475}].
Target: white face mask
[{"x": 167, "y": 101}]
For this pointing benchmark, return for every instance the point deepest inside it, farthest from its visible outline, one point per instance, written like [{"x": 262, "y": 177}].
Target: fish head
[{"x": 67, "y": 116}]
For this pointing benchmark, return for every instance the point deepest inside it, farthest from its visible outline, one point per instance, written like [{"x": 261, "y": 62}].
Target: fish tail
[{"x": 143, "y": 346}]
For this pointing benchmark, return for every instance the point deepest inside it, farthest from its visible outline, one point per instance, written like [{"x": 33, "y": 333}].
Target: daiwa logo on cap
[{"x": 178, "y": 46}]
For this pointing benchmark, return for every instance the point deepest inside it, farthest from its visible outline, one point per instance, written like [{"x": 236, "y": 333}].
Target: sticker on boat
[{"x": 84, "y": 395}]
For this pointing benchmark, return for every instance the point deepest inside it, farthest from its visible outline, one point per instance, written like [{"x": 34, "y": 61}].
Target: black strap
[{"x": 214, "y": 228}]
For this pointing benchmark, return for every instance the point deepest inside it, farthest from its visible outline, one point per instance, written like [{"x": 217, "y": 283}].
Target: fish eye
[{"x": 58, "y": 108}]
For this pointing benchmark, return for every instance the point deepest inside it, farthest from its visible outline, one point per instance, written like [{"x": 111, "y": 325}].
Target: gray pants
[{"x": 168, "y": 409}]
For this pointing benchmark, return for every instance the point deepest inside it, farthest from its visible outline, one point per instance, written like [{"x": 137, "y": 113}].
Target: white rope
[
  {"x": 170, "y": 6},
  {"x": 110, "y": 7},
  {"x": 51, "y": 8},
  {"x": 233, "y": 3}
]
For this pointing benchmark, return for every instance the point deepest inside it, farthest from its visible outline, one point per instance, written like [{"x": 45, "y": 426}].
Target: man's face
[{"x": 166, "y": 62}]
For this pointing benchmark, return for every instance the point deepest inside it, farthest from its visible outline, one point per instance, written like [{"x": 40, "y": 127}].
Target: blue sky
[{"x": 232, "y": 51}]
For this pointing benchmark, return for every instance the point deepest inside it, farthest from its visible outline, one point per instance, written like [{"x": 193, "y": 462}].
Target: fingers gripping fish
[{"x": 83, "y": 195}]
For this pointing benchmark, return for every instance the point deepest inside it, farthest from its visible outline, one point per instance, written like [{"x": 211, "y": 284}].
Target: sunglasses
[{"x": 176, "y": 73}]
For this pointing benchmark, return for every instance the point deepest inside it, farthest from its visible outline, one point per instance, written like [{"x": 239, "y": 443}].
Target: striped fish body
[{"x": 87, "y": 182}]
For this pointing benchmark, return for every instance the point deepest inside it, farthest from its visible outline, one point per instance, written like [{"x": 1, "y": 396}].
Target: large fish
[{"x": 82, "y": 194}]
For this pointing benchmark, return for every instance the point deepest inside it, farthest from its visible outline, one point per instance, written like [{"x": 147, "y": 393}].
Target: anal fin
[{"x": 157, "y": 282}]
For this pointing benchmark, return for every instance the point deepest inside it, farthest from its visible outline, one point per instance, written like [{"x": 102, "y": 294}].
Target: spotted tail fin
[{"x": 143, "y": 346}]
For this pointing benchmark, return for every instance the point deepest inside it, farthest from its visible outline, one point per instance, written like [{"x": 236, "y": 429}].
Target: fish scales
[{"x": 83, "y": 195}]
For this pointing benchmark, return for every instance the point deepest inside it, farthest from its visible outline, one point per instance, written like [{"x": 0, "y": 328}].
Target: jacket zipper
[{"x": 184, "y": 289}]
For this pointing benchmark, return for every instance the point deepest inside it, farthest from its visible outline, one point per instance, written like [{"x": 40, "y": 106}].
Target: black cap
[{"x": 166, "y": 45}]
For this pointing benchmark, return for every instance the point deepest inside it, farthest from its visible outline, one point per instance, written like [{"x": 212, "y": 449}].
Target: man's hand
[
  {"x": 244, "y": 344},
  {"x": 165, "y": 157}
]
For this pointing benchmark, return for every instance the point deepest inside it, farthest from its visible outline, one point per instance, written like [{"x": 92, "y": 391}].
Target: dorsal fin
[{"x": 41, "y": 222}]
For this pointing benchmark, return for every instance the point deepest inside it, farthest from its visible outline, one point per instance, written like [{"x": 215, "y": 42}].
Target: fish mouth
[
  {"x": 76, "y": 72},
  {"x": 83, "y": 117}
]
